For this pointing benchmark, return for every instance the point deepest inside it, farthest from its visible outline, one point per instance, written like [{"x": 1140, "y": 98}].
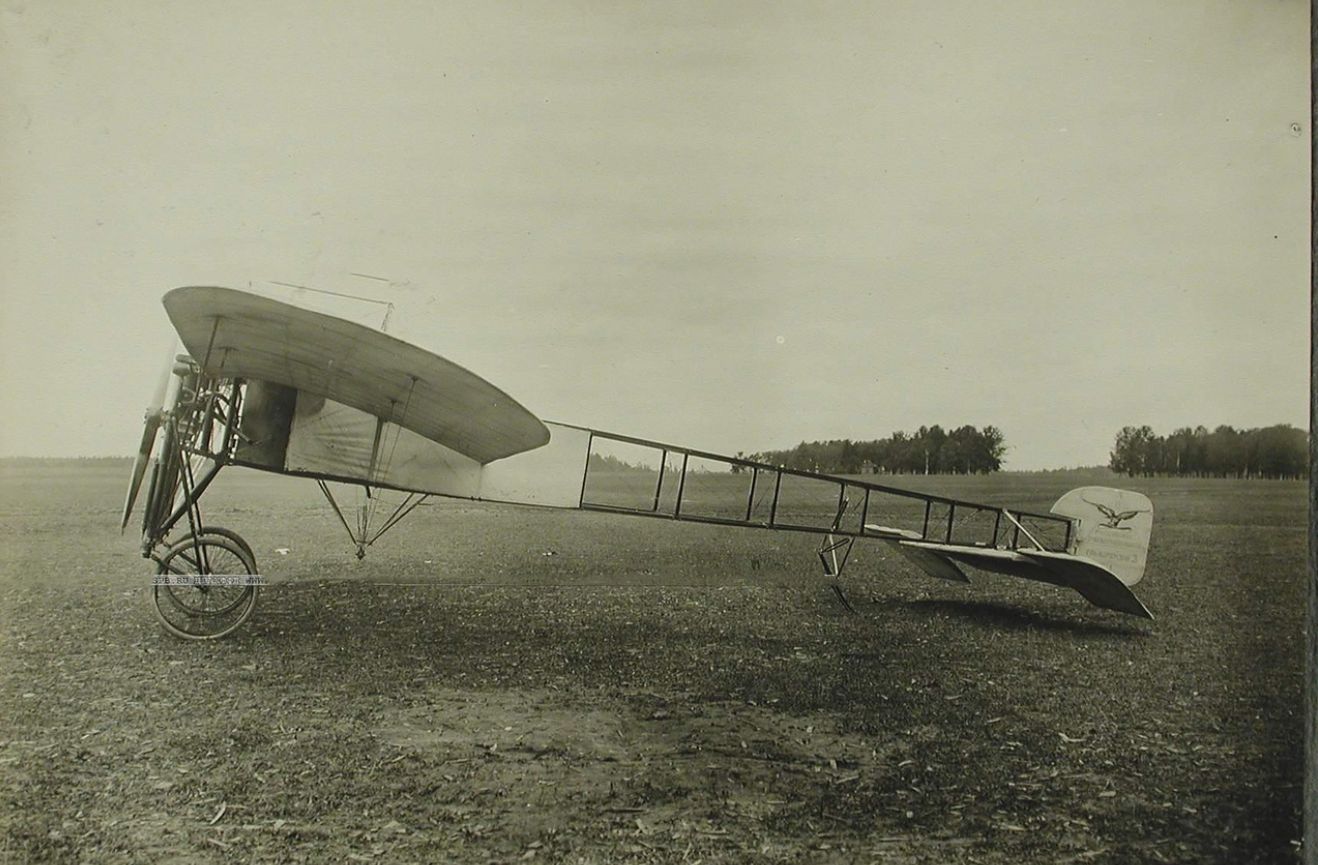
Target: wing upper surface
[{"x": 239, "y": 334}]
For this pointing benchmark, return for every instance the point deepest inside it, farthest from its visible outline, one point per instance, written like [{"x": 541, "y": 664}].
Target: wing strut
[{"x": 363, "y": 538}]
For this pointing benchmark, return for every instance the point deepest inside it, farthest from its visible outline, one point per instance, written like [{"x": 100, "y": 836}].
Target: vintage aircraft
[{"x": 274, "y": 386}]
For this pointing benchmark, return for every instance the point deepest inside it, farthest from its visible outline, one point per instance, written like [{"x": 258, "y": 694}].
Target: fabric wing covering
[
  {"x": 243, "y": 335},
  {"x": 319, "y": 437},
  {"x": 334, "y": 440}
]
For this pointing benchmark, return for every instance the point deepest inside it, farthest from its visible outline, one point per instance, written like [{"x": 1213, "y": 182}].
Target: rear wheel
[{"x": 205, "y": 609}]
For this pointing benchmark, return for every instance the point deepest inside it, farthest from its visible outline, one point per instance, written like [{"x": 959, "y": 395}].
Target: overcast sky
[{"x": 732, "y": 226}]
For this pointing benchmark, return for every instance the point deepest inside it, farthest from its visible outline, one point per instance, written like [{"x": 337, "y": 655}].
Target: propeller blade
[
  {"x": 139, "y": 465},
  {"x": 154, "y": 412}
]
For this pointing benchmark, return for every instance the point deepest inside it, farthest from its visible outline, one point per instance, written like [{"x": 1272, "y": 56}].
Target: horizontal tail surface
[{"x": 1105, "y": 555}]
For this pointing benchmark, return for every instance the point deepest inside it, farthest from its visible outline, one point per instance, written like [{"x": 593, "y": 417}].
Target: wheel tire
[
  {"x": 221, "y": 532},
  {"x": 205, "y": 612}
]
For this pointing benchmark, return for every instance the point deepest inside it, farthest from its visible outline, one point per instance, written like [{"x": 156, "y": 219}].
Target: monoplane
[{"x": 278, "y": 387}]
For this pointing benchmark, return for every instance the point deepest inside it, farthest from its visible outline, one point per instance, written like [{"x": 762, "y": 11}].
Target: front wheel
[
  {"x": 246, "y": 548},
  {"x": 202, "y": 591}
]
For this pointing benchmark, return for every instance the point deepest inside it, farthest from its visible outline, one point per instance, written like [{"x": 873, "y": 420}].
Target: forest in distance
[
  {"x": 929, "y": 450},
  {"x": 1280, "y": 451}
]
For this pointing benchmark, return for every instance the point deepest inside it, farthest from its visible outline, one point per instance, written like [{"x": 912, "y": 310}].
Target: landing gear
[
  {"x": 204, "y": 586},
  {"x": 206, "y": 583},
  {"x": 832, "y": 562}
]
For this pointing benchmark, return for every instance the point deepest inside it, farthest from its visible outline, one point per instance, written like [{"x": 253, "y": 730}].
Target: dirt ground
[{"x": 499, "y": 684}]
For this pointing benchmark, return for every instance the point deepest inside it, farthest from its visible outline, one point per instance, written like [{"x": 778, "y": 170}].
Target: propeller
[{"x": 154, "y": 412}]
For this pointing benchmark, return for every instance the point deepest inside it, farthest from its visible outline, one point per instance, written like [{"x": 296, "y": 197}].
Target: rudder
[{"x": 1112, "y": 528}]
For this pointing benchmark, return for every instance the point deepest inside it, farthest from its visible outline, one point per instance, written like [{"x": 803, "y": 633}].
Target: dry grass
[{"x": 504, "y": 683}]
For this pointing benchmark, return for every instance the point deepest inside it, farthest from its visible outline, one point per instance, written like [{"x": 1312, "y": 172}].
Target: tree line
[
  {"x": 929, "y": 450},
  {"x": 1280, "y": 451}
]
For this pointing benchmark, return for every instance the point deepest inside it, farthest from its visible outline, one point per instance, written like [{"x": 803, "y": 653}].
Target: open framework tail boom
[{"x": 594, "y": 470}]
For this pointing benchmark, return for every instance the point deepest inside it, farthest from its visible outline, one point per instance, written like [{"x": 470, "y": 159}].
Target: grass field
[{"x": 500, "y": 683}]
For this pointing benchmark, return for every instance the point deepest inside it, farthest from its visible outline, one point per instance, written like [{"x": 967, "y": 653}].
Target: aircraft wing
[{"x": 238, "y": 334}]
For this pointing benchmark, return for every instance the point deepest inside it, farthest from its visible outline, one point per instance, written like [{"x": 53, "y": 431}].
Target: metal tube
[
  {"x": 324, "y": 488},
  {"x": 585, "y": 470},
  {"x": 681, "y": 485},
  {"x": 659, "y": 485},
  {"x": 182, "y": 509},
  {"x": 896, "y": 491}
]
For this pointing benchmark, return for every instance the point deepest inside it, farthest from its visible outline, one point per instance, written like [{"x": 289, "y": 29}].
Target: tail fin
[{"x": 1112, "y": 528}]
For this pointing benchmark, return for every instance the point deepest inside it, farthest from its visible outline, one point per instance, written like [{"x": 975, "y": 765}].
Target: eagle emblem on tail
[{"x": 1114, "y": 519}]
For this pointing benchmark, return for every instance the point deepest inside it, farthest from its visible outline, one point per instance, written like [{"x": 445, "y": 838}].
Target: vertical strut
[
  {"x": 659, "y": 485},
  {"x": 681, "y": 485},
  {"x": 750, "y": 499}
]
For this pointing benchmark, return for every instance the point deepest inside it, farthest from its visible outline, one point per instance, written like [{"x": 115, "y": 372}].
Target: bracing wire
[
  {"x": 383, "y": 449},
  {"x": 382, "y": 466},
  {"x": 398, "y": 423}
]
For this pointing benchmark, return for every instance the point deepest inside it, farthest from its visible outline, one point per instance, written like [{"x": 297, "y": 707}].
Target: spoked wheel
[
  {"x": 206, "y": 610},
  {"x": 230, "y": 534}
]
